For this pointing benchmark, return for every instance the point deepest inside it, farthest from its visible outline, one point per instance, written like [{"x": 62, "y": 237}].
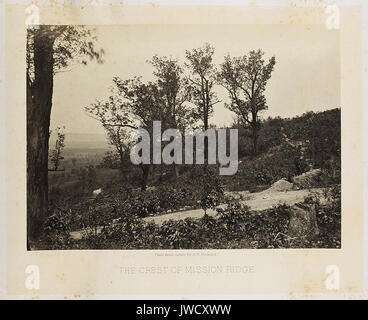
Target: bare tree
[{"x": 245, "y": 79}]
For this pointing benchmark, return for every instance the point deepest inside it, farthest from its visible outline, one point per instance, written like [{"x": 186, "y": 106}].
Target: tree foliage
[
  {"x": 245, "y": 79},
  {"x": 55, "y": 156},
  {"x": 173, "y": 92},
  {"x": 201, "y": 81},
  {"x": 69, "y": 44}
]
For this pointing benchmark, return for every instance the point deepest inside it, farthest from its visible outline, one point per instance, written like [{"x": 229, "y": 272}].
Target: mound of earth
[
  {"x": 308, "y": 179},
  {"x": 281, "y": 185}
]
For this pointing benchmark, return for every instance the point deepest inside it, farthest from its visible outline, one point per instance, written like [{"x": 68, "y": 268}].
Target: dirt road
[{"x": 256, "y": 201}]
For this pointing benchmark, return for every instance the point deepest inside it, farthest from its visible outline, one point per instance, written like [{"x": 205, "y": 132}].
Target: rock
[
  {"x": 97, "y": 192},
  {"x": 94, "y": 194},
  {"x": 303, "y": 221},
  {"x": 281, "y": 185}
]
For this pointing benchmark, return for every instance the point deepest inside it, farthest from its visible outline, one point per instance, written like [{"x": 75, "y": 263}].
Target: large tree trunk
[
  {"x": 39, "y": 101},
  {"x": 255, "y": 126},
  {"x": 121, "y": 164},
  {"x": 145, "y": 174},
  {"x": 176, "y": 171},
  {"x": 205, "y": 123},
  {"x": 255, "y": 142}
]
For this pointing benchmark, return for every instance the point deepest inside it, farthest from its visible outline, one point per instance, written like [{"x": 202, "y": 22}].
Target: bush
[
  {"x": 154, "y": 201},
  {"x": 233, "y": 217},
  {"x": 329, "y": 219},
  {"x": 211, "y": 190},
  {"x": 181, "y": 234},
  {"x": 55, "y": 235},
  {"x": 257, "y": 174},
  {"x": 113, "y": 221}
]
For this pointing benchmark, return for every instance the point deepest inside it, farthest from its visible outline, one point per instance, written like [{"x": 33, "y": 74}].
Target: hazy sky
[{"x": 306, "y": 75}]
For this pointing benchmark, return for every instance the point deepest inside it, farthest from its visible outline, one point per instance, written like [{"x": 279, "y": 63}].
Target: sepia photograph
[
  {"x": 183, "y": 137},
  {"x": 183, "y": 151}
]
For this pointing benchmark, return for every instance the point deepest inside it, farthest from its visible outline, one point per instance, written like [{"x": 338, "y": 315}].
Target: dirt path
[{"x": 256, "y": 201}]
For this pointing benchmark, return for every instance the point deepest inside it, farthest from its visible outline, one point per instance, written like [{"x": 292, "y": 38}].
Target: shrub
[
  {"x": 114, "y": 223},
  {"x": 181, "y": 234},
  {"x": 329, "y": 219},
  {"x": 55, "y": 235},
  {"x": 233, "y": 217},
  {"x": 211, "y": 190}
]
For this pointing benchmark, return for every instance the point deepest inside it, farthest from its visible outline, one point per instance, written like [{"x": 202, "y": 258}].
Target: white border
[{"x": 2, "y": 152}]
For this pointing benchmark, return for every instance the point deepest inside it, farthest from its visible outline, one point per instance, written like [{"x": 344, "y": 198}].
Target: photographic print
[
  {"x": 247, "y": 117},
  {"x": 184, "y": 150}
]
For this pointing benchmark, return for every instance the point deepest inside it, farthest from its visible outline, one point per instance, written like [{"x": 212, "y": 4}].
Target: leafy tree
[
  {"x": 132, "y": 104},
  {"x": 200, "y": 84},
  {"x": 49, "y": 50},
  {"x": 245, "y": 79},
  {"x": 55, "y": 156},
  {"x": 201, "y": 81},
  {"x": 174, "y": 94},
  {"x": 115, "y": 117},
  {"x": 144, "y": 102},
  {"x": 110, "y": 160}
]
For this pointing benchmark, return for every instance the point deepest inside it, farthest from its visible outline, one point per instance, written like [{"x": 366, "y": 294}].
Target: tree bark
[
  {"x": 255, "y": 126},
  {"x": 176, "y": 171},
  {"x": 121, "y": 159},
  {"x": 145, "y": 174},
  {"x": 39, "y": 102},
  {"x": 255, "y": 141}
]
